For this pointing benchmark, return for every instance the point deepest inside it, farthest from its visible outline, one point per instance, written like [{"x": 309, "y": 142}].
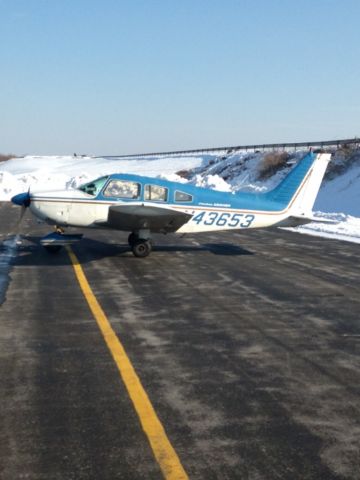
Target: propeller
[{"x": 23, "y": 200}]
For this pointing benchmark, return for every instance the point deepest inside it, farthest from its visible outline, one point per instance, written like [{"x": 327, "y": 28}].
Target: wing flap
[{"x": 139, "y": 217}]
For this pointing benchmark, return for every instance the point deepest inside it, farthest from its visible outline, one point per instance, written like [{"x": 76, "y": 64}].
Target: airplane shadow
[
  {"x": 30, "y": 252},
  {"x": 214, "y": 248}
]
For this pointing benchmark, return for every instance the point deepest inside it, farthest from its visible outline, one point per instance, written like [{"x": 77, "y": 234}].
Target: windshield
[{"x": 94, "y": 187}]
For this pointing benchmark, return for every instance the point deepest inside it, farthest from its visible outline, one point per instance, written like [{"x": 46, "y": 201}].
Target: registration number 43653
[{"x": 224, "y": 219}]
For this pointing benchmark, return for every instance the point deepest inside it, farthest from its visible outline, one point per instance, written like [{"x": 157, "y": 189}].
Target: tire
[
  {"x": 141, "y": 248},
  {"x": 52, "y": 248}
]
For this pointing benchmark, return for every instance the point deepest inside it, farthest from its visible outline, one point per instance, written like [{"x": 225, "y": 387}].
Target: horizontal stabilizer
[{"x": 296, "y": 220}]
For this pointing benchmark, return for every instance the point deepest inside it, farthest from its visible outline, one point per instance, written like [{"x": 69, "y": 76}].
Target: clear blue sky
[{"x": 123, "y": 76}]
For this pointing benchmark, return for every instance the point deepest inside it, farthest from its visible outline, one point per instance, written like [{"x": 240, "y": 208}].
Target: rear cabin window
[
  {"x": 156, "y": 193},
  {"x": 122, "y": 189},
  {"x": 182, "y": 197}
]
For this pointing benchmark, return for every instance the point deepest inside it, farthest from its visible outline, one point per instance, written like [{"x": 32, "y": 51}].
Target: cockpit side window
[
  {"x": 122, "y": 189},
  {"x": 156, "y": 193},
  {"x": 94, "y": 187},
  {"x": 183, "y": 197}
]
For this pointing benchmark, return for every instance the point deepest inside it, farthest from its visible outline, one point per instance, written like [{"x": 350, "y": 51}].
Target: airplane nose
[{"x": 21, "y": 199}]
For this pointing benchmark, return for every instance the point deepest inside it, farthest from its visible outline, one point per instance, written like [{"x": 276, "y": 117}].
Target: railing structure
[{"x": 262, "y": 146}]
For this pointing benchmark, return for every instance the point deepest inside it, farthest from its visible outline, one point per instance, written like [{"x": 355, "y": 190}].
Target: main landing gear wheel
[{"x": 141, "y": 248}]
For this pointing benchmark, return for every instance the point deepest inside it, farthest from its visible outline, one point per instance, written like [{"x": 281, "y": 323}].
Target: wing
[{"x": 138, "y": 217}]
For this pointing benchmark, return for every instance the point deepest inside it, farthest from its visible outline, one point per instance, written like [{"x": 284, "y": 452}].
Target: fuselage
[{"x": 210, "y": 210}]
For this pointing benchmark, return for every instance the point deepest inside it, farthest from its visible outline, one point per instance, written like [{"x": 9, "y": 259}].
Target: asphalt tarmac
[{"x": 247, "y": 345}]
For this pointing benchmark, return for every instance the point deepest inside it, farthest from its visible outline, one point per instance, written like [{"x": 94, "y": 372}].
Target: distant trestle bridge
[{"x": 251, "y": 147}]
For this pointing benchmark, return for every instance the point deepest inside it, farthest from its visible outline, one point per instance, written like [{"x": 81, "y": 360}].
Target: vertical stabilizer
[
  {"x": 304, "y": 201},
  {"x": 299, "y": 189}
]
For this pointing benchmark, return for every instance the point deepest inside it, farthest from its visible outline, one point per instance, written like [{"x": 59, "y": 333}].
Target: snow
[
  {"x": 212, "y": 181},
  {"x": 338, "y": 199},
  {"x": 344, "y": 189}
]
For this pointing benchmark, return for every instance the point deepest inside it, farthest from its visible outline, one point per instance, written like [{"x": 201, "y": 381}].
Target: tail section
[
  {"x": 299, "y": 189},
  {"x": 304, "y": 201}
]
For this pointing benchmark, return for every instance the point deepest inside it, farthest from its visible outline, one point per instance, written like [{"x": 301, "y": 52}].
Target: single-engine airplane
[{"x": 144, "y": 205}]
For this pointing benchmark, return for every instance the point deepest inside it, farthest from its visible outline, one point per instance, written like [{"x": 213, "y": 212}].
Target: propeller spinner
[{"x": 22, "y": 199}]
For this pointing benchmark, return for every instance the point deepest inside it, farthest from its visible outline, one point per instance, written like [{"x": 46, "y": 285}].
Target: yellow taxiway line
[{"x": 164, "y": 453}]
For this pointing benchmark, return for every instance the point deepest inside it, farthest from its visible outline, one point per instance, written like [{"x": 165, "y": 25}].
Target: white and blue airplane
[{"x": 144, "y": 205}]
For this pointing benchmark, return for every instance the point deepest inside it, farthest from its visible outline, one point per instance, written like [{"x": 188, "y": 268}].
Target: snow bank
[
  {"x": 342, "y": 194},
  {"x": 50, "y": 173}
]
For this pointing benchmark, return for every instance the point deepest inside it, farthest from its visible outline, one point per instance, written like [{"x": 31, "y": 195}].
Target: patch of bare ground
[
  {"x": 7, "y": 156},
  {"x": 271, "y": 163},
  {"x": 343, "y": 158},
  {"x": 185, "y": 174}
]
